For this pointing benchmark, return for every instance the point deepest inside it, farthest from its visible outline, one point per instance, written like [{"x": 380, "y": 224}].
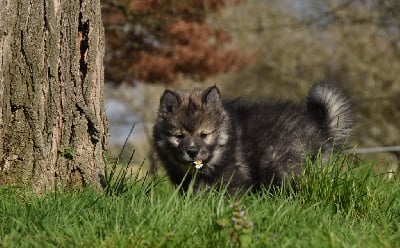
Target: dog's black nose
[{"x": 192, "y": 152}]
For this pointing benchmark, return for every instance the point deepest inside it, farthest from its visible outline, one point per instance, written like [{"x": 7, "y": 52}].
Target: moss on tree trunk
[{"x": 53, "y": 128}]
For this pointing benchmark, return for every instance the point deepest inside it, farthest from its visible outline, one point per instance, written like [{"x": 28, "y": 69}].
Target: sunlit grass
[{"x": 341, "y": 206}]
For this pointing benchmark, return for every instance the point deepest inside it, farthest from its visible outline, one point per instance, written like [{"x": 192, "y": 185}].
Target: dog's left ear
[{"x": 211, "y": 96}]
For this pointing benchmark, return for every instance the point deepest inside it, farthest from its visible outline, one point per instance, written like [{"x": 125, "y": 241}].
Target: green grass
[{"x": 339, "y": 207}]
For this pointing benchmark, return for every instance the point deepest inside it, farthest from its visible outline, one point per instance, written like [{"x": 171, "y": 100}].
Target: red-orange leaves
[{"x": 160, "y": 40}]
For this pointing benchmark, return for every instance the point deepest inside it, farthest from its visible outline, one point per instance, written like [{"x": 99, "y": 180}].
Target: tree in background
[
  {"x": 53, "y": 129},
  {"x": 159, "y": 40}
]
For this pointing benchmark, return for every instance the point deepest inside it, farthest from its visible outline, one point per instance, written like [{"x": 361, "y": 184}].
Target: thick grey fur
[{"x": 247, "y": 144}]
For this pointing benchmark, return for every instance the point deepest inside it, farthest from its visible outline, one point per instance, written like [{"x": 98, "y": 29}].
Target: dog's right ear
[{"x": 169, "y": 101}]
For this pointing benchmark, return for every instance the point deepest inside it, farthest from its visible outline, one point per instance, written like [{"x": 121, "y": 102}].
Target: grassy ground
[{"x": 339, "y": 207}]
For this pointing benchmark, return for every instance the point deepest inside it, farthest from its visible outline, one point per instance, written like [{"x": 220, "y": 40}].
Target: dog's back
[{"x": 276, "y": 137}]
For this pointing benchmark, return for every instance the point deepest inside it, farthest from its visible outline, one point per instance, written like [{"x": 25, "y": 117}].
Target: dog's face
[{"x": 190, "y": 125}]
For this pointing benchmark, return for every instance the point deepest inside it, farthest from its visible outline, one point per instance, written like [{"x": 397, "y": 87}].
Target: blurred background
[{"x": 252, "y": 48}]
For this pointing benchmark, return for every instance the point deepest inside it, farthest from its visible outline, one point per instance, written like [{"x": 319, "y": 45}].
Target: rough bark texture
[{"x": 53, "y": 129}]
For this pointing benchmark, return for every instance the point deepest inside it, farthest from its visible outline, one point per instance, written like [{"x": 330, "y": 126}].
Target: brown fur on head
[
  {"x": 190, "y": 123},
  {"x": 189, "y": 106}
]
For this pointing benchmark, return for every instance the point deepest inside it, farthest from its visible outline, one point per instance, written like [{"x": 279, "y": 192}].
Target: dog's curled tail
[{"x": 332, "y": 109}]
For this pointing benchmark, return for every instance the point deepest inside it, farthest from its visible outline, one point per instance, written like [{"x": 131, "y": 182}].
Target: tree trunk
[{"x": 53, "y": 128}]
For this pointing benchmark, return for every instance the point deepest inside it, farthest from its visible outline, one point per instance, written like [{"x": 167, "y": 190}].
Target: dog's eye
[{"x": 203, "y": 135}]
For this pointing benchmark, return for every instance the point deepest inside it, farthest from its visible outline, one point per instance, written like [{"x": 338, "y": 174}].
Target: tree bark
[{"x": 53, "y": 129}]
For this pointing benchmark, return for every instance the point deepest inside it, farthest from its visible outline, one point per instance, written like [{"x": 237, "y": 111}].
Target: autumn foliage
[{"x": 161, "y": 40}]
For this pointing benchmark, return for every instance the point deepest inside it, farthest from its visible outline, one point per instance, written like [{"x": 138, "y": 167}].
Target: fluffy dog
[{"x": 247, "y": 144}]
